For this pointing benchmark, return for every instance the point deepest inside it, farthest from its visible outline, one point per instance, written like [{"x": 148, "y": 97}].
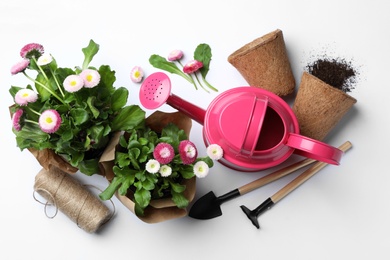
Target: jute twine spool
[
  {"x": 264, "y": 63},
  {"x": 319, "y": 106},
  {"x": 72, "y": 198}
]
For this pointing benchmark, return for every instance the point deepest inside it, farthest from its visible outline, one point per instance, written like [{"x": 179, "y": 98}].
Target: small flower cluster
[
  {"x": 164, "y": 154},
  {"x": 71, "y": 111},
  {"x": 49, "y": 120},
  {"x": 199, "y": 65},
  {"x": 155, "y": 164}
]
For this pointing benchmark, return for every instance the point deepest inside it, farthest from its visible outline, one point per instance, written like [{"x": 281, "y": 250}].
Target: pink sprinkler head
[{"x": 155, "y": 90}]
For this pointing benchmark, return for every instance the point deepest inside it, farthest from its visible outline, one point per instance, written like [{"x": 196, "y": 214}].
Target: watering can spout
[{"x": 190, "y": 110}]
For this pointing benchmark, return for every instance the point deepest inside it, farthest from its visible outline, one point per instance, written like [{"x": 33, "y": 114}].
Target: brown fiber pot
[
  {"x": 319, "y": 106},
  {"x": 264, "y": 63}
]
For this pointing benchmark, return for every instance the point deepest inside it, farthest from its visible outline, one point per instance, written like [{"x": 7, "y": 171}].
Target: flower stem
[
  {"x": 44, "y": 74},
  {"x": 197, "y": 79},
  {"x": 35, "y": 112},
  {"x": 45, "y": 87},
  {"x": 188, "y": 77},
  {"x": 31, "y": 121},
  {"x": 209, "y": 85},
  {"x": 58, "y": 84}
]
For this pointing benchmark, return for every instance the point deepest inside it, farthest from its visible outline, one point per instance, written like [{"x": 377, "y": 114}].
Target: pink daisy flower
[
  {"x": 31, "y": 50},
  {"x": 136, "y": 74},
  {"x": 165, "y": 171},
  {"x": 20, "y": 66},
  {"x": 164, "y": 153},
  {"x": 214, "y": 151},
  {"x": 16, "y": 123},
  {"x": 188, "y": 152},
  {"x": 25, "y": 96},
  {"x": 152, "y": 166},
  {"x": 201, "y": 169},
  {"x": 50, "y": 121},
  {"x": 175, "y": 55},
  {"x": 192, "y": 66},
  {"x": 73, "y": 83},
  {"x": 91, "y": 78}
]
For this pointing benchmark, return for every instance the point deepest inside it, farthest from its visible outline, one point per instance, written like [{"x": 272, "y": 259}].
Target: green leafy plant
[
  {"x": 199, "y": 65},
  {"x": 71, "y": 111},
  {"x": 153, "y": 165}
]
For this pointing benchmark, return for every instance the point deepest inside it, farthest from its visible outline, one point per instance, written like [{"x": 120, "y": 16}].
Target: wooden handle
[
  {"x": 305, "y": 176},
  {"x": 274, "y": 176}
]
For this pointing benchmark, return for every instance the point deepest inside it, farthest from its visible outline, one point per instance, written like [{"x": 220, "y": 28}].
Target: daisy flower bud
[
  {"x": 152, "y": 166},
  {"x": 25, "y": 96},
  {"x": 50, "y": 121},
  {"x": 192, "y": 66},
  {"x": 188, "y": 152},
  {"x": 20, "y": 66},
  {"x": 201, "y": 169},
  {"x": 214, "y": 151},
  {"x": 136, "y": 74},
  {"x": 16, "y": 119},
  {"x": 165, "y": 171},
  {"x": 175, "y": 55},
  {"x": 90, "y": 77},
  {"x": 163, "y": 153},
  {"x": 44, "y": 59},
  {"x": 31, "y": 50},
  {"x": 73, "y": 83}
]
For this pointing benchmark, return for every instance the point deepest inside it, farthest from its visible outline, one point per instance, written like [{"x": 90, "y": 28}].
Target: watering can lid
[{"x": 235, "y": 120}]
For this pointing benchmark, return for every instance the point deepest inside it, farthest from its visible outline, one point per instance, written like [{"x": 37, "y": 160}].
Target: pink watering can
[{"x": 255, "y": 128}]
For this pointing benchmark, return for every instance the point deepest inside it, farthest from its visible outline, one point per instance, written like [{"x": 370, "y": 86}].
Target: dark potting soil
[{"x": 338, "y": 73}]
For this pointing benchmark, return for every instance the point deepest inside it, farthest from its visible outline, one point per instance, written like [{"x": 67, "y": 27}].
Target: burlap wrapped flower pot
[
  {"x": 319, "y": 106},
  {"x": 264, "y": 63},
  {"x": 160, "y": 208}
]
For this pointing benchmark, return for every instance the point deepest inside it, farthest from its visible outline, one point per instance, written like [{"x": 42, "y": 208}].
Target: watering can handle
[{"x": 314, "y": 149}]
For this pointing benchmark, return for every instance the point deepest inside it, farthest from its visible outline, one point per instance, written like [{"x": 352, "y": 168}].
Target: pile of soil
[{"x": 338, "y": 73}]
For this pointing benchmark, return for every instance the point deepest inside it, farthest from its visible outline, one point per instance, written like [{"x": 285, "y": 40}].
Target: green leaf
[
  {"x": 111, "y": 189},
  {"x": 126, "y": 183},
  {"x": 89, "y": 53},
  {"x": 128, "y": 118},
  {"x": 177, "y": 187},
  {"x": 94, "y": 110},
  {"x": 203, "y": 53},
  {"x": 122, "y": 159},
  {"x": 119, "y": 98},
  {"x": 142, "y": 197},
  {"x": 161, "y": 63},
  {"x": 89, "y": 167},
  {"x": 187, "y": 171},
  {"x": 79, "y": 116},
  {"x": 43, "y": 93},
  {"x": 179, "y": 199},
  {"x": 107, "y": 79}
]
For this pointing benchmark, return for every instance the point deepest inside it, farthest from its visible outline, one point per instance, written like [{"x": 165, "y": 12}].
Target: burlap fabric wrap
[
  {"x": 264, "y": 63},
  {"x": 161, "y": 209},
  {"x": 319, "y": 106}
]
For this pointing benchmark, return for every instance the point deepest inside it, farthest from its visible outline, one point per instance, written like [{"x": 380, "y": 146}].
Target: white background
[{"x": 340, "y": 213}]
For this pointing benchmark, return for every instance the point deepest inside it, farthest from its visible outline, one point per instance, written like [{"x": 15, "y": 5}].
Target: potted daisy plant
[
  {"x": 66, "y": 116},
  {"x": 155, "y": 167}
]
